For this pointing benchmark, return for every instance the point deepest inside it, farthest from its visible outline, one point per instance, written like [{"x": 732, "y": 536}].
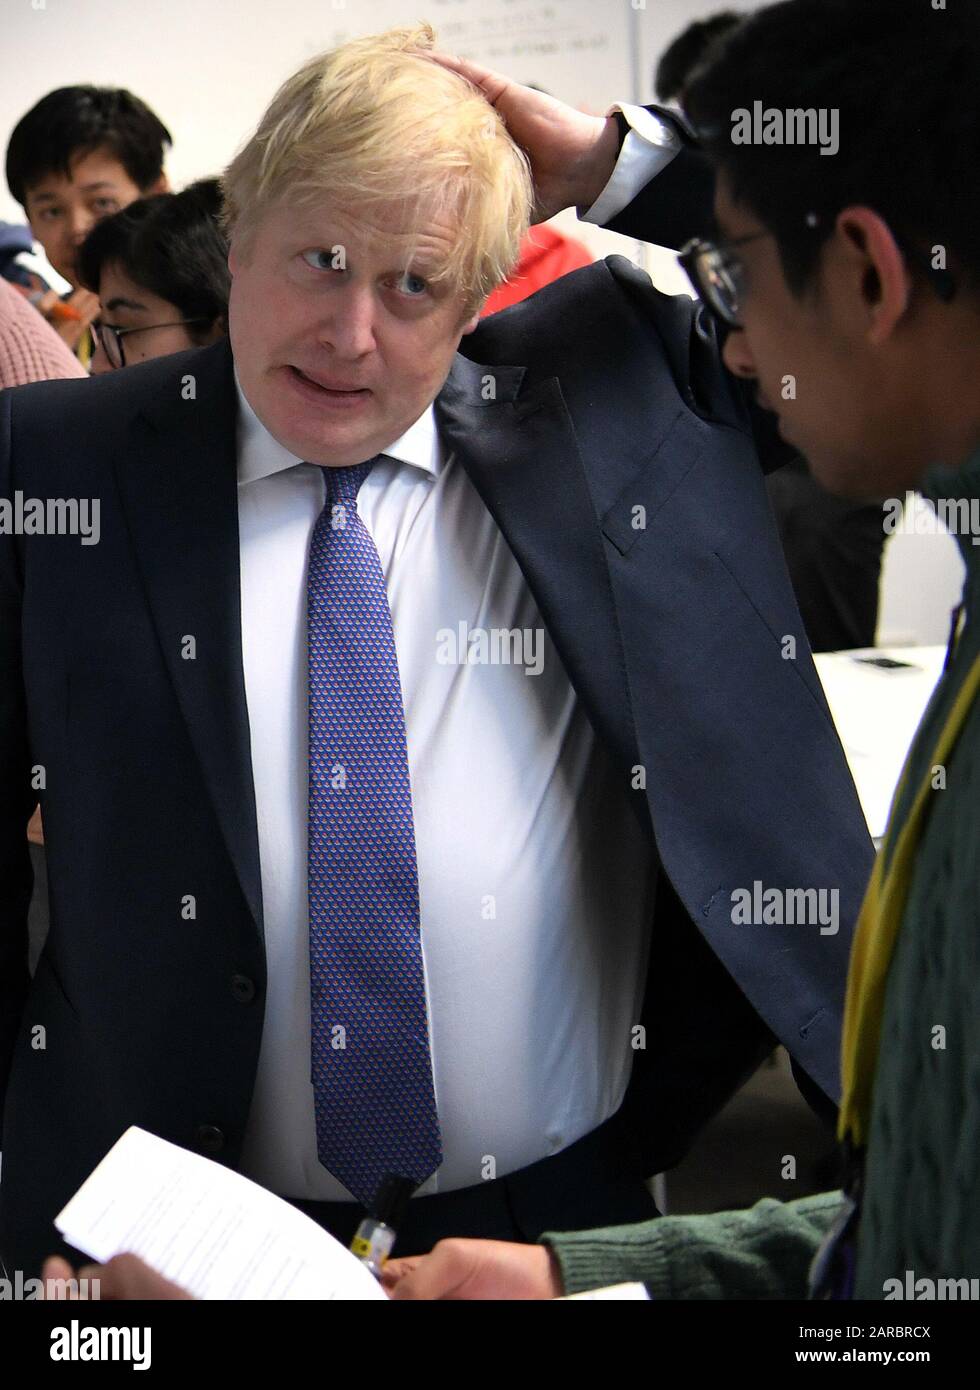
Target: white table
[{"x": 877, "y": 711}]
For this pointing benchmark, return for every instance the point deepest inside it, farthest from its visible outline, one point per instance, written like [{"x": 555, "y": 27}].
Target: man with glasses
[
  {"x": 160, "y": 269},
  {"x": 112, "y": 340},
  {"x": 717, "y": 272}
]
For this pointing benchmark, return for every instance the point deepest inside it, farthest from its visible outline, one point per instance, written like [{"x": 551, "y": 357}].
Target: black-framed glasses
[
  {"x": 717, "y": 275},
  {"x": 110, "y": 339}
]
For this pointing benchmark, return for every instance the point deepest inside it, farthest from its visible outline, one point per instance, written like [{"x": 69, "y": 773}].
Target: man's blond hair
[{"x": 376, "y": 123}]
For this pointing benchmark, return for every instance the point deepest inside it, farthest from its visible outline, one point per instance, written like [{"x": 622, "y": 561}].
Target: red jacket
[{"x": 545, "y": 255}]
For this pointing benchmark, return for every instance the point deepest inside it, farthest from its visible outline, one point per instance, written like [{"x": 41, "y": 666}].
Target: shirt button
[
  {"x": 243, "y": 988},
  {"x": 210, "y": 1138}
]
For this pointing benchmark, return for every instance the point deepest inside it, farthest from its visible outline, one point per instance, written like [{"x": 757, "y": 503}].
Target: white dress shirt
[
  {"x": 535, "y": 880},
  {"x": 649, "y": 147}
]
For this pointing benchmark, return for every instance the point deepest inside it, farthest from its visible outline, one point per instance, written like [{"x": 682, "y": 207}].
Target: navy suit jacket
[{"x": 606, "y": 397}]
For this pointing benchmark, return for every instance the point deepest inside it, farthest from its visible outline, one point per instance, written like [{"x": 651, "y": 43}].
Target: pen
[
  {"x": 378, "y": 1231},
  {"x": 59, "y": 309}
]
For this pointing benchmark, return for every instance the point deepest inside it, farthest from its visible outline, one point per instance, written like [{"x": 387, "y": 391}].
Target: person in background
[
  {"x": 688, "y": 51},
  {"x": 30, "y": 350},
  {"x": 160, "y": 270},
  {"x": 81, "y": 154},
  {"x": 546, "y": 253},
  {"x": 833, "y": 545}
]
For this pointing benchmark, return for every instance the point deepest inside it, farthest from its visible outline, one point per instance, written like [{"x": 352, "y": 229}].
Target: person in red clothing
[{"x": 546, "y": 254}]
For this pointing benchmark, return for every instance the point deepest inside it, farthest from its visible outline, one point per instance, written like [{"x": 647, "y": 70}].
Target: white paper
[{"x": 210, "y": 1230}]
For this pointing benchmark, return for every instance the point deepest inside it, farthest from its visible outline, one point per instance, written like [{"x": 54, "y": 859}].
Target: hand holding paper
[{"x": 206, "y": 1228}]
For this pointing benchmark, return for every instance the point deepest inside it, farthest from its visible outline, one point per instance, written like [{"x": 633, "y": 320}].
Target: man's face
[
  {"x": 63, "y": 211},
  {"x": 836, "y": 397},
  {"x": 128, "y": 305},
  {"x": 339, "y": 345}
]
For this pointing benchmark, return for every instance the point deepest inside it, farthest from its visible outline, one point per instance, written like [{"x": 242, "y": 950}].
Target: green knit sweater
[
  {"x": 921, "y": 1205},
  {"x": 764, "y": 1252}
]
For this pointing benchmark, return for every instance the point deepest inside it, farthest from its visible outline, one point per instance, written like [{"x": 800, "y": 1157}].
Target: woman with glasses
[{"x": 160, "y": 270}]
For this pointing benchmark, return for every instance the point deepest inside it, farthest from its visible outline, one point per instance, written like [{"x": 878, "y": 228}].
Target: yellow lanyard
[
  {"x": 83, "y": 349},
  {"x": 877, "y": 928}
]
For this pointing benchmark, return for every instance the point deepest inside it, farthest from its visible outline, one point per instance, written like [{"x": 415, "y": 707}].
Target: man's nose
[
  {"x": 738, "y": 358},
  {"x": 348, "y": 325},
  {"x": 81, "y": 223}
]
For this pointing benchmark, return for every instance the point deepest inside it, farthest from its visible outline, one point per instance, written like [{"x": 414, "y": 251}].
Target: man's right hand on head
[{"x": 571, "y": 154}]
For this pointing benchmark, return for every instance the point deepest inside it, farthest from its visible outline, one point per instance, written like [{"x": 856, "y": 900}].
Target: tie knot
[{"x": 343, "y": 484}]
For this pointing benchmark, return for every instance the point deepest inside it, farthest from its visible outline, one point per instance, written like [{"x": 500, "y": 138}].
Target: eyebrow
[
  {"x": 84, "y": 188},
  {"x": 423, "y": 263},
  {"x": 120, "y": 302},
  {"x": 424, "y": 270},
  {"x": 312, "y": 238}
]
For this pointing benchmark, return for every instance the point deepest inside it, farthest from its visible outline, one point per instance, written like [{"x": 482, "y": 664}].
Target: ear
[
  {"x": 162, "y": 185},
  {"x": 470, "y": 324},
  {"x": 875, "y": 258},
  {"x": 241, "y": 247}
]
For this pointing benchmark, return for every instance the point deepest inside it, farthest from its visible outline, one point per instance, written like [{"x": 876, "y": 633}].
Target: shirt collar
[{"x": 260, "y": 455}]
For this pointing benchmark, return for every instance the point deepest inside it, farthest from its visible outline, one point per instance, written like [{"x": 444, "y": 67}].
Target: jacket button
[
  {"x": 243, "y": 988},
  {"x": 210, "y": 1138}
]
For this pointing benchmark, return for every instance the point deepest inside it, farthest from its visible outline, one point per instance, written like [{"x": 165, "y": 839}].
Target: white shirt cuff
[{"x": 647, "y": 150}]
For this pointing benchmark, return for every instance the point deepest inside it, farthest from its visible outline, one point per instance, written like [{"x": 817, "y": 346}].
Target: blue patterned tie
[{"x": 372, "y": 1074}]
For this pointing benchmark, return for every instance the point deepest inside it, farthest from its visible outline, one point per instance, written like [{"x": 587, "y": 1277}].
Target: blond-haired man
[{"x": 431, "y": 688}]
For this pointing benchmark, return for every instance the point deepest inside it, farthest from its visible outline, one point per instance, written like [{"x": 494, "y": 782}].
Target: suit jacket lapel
[
  {"x": 179, "y": 487},
  {"x": 520, "y": 451}
]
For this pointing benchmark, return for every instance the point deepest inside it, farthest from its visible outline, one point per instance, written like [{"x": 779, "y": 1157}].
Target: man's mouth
[{"x": 330, "y": 388}]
